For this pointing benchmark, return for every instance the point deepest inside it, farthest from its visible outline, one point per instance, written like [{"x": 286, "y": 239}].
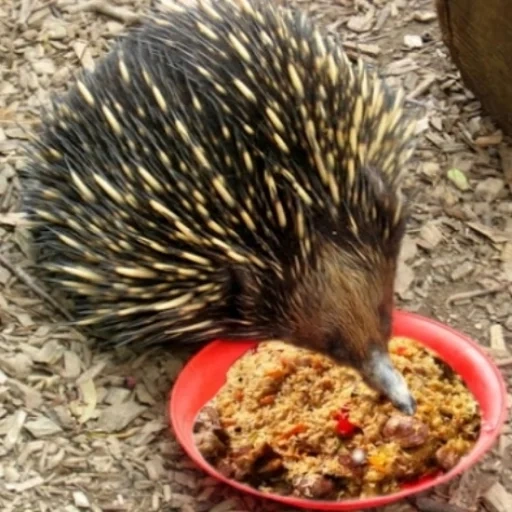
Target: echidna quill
[{"x": 227, "y": 172}]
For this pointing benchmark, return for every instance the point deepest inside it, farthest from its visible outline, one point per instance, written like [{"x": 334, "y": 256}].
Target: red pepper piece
[
  {"x": 344, "y": 427},
  {"x": 400, "y": 351}
]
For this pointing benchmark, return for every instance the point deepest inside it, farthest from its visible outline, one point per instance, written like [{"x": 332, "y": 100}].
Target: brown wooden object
[{"x": 478, "y": 34}]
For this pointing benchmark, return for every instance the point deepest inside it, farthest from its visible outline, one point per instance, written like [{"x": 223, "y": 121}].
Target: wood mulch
[{"x": 82, "y": 429}]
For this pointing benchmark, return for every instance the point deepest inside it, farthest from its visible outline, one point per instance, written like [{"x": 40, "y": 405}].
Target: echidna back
[{"x": 210, "y": 141}]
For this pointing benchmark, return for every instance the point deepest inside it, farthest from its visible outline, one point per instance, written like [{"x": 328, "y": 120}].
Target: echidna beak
[{"x": 382, "y": 376}]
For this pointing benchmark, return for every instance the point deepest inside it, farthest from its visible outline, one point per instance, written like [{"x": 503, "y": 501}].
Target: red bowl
[{"x": 205, "y": 374}]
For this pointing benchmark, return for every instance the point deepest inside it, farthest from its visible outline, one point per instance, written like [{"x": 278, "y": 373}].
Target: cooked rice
[{"x": 287, "y": 398}]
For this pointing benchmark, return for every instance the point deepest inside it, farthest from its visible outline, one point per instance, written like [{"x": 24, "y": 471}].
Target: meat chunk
[
  {"x": 406, "y": 431},
  {"x": 447, "y": 456},
  {"x": 207, "y": 419},
  {"x": 261, "y": 462},
  {"x": 314, "y": 486},
  {"x": 209, "y": 444},
  {"x": 210, "y": 438}
]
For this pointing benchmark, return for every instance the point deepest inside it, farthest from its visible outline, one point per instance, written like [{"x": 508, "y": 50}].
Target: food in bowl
[{"x": 291, "y": 422}]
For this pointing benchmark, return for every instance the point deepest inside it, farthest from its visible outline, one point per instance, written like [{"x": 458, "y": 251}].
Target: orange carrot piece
[
  {"x": 267, "y": 400},
  {"x": 297, "y": 429},
  {"x": 276, "y": 374}
]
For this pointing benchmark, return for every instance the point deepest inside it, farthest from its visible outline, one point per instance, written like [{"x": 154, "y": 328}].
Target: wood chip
[
  {"x": 81, "y": 500},
  {"x": 408, "y": 250},
  {"x": 425, "y": 16},
  {"x": 422, "y": 88},
  {"x": 401, "y": 67},
  {"x": 117, "y": 395},
  {"x": 72, "y": 365},
  {"x": 16, "y": 425},
  {"x": 225, "y": 506},
  {"x": 118, "y": 417},
  {"x": 413, "y": 41},
  {"x": 44, "y": 67},
  {"x": 505, "y": 153},
  {"x": 488, "y": 190},
  {"x": 26, "y": 485},
  {"x": 430, "y": 236},
  {"x": 497, "y": 499},
  {"x": 107, "y": 9},
  {"x": 84, "y": 55},
  {"x": 462, "y": 271},
  {"x": 42, "y": 427},
  {"x": 83, "y": 429},
  {"x": 361, "y": 23},
  {"x": 404, "y": 278},
  {"x": 50, "y": 353},
  {"x": 373, "y": 50},
  {"x": 490, "y": 140},
  {"x": 92, "y": 372},
  {"x": 488, "y": 232},
  {"x": 497, "y": 340},
  {"x": 90, "y": 399}
]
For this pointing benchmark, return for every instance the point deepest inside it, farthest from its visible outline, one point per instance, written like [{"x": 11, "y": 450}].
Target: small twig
[
  {"x": 425, "y": 504},
  {"x": 103, "y": 7},
  {"x": 25, "y": 278},
  {"x": 476, "y": 293},
  {"x": 501, "y": 363}
]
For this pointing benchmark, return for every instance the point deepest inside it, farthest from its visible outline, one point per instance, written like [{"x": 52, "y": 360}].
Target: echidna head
[{"x": 343, "y": 308}]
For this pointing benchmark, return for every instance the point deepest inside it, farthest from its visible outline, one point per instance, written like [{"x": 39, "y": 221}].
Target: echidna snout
[
  {"x": 380, "y": 374},
  {"x": 343, "y": 309}
]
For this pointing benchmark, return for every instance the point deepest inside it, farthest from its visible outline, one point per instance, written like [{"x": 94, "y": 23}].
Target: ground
[{"x": 83, "y": 429}]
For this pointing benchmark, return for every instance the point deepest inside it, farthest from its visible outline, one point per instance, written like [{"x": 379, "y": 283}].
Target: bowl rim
[{"x": 486, "y": 439}]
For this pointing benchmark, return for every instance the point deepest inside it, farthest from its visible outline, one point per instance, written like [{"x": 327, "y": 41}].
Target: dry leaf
[{"x": 459, "y": 179}]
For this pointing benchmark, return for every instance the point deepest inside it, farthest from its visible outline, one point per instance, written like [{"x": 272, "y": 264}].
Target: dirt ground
[{"x": 86, "y": 430}]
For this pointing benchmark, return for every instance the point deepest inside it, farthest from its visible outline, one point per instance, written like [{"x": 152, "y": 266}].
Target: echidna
[{"x": 227, "y": 172}]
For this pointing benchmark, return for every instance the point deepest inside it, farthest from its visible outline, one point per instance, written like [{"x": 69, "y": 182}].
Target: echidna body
[{"x": 226, "y": 172}]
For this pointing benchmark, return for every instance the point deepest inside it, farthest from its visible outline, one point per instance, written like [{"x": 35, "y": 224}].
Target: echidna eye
[
  {"x": 332, "y": 344},
  {"x": 335, "y": 346}
]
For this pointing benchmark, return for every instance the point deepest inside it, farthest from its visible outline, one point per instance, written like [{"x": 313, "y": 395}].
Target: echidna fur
[{"x": 187, "y": 188}]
